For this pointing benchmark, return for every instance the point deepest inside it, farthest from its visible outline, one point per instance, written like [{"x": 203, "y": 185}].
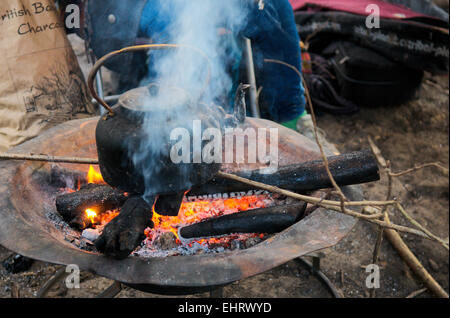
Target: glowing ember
[
  {"x": 190, "y": 213},
  {"x": 91, "y": 215},
  {"x": 96, "y": 177},
  {"x": 194, "y": 212}
]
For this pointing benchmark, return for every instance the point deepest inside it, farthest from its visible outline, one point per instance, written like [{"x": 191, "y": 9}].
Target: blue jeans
[{"x": 274, "y": 36}]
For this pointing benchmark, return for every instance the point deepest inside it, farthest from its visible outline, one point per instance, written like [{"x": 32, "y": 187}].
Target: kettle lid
[{"x": 155, "y": 97}]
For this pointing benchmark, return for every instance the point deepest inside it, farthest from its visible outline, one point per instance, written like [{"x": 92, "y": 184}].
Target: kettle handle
[{"x": 135, "y": 48}]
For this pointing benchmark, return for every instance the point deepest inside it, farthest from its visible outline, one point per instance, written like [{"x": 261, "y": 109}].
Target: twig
[
  {"x": 331, "y": 205},
  {"x": 395, "y": 239},
  {"x": 419, "y": 226},
  {"x": 419, "y": 167},
  {"x": 384, "y": 224},
  {"x": 413, "y": 263},
  {"x": 417, "y": 293},
  {"x": 376, "y": 252},
  {"x": 390, "y": 183},
  {"x": 387, "y": 167},
  {"x": 322, "y": 152},
  {"x": 302, "y": 197},
  {"x": 316, "y": 133},
  {"x": 47, "y": 158},
  {"x": 57, "y": 277},
  {"x": 377, "y": 152},
  {"x": 375, "y": 216},
  {"x": 393, "y": 235}
]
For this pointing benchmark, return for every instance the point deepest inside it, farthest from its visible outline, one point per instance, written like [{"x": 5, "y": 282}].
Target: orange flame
[
  {"x": 94, "y": 176},
  {"x": 91, "y": 215},
  {"x": 102, "y": 219}
]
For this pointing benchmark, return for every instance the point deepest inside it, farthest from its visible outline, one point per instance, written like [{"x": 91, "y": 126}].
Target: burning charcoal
[
  {"x": 166, "y": 241},
  {"x": 268, "y": 220},
  {"x": 17, "y": 263},
  {"x": 100, "y": 198},
  {"x": 124, "y": 233},
  {"x": 347, "y": 169},
  {"x": 80, "y": 222}
]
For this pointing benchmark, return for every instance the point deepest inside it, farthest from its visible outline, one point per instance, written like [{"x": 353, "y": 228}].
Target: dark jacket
[{"x": 113, "y": 27}]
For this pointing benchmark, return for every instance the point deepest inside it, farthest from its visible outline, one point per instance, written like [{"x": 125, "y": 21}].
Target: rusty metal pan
[{"x": 25, "y": 229}]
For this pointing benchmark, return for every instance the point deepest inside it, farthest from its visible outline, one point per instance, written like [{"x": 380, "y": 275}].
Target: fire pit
[{"x": 27, "y": 192}]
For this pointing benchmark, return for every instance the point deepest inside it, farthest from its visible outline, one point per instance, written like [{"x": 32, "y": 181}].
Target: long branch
[
  {"x": 46, "y": 158},
  {"x": 332, "y": 205}
]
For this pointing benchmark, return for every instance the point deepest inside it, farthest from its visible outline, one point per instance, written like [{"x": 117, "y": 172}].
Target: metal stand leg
[
  {"x": 315, "y": 270},
  {"x": 315, "y": 264},
  {"x": 252, "y": 79}
]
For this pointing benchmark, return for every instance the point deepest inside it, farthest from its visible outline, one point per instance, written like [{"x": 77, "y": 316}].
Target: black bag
[
  {"x": 321, "y": 85},
  {"x": 415, "y": 44},
  {"x": 370, "y": 79}
]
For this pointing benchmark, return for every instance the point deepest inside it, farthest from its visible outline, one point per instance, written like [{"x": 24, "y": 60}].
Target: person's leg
[{"x": 275, "y": 37}]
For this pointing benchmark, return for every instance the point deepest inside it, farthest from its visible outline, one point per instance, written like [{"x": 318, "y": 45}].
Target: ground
[{"x": 413, "y": 133}]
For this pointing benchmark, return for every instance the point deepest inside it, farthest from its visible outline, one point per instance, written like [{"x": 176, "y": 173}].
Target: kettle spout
[{"x": 240, "y": 107}]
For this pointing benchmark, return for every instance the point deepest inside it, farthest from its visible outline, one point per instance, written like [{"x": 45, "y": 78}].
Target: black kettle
[{"x": 133, "y": 138}]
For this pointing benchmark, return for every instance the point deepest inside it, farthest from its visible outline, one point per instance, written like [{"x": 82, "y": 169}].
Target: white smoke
[
  {"x": 209, "y": 27},
  {"x": 205, "y": 25}
]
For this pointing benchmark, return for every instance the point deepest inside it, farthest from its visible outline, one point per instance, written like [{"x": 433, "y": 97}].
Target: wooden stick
[
  {"x": 376, "y": 253},
  {"x": 46, "y": 158},
  {"x": 417, "y": 293},
  {"x": 419, "y": 226},
  {"x": 331, "y": 205},
  {"x": 387, "y": 167},
  {"x": 56, "y": 278},
  {"x": 309, "y": 199},
  {"x": 316, "y": 133},
  {"x": 392, "y": 226},
  {"x": 419, "y": 167}
]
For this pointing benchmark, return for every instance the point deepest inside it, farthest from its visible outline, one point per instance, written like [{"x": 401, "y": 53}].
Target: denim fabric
[{"x": 274, "y": 36}]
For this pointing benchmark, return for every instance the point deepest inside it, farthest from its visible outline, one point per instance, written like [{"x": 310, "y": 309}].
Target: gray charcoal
[
  {"x": 166, "y": 241},
  {"x": 252, "y": 242}
]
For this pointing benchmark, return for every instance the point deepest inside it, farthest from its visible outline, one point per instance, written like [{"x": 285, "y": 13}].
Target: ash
[{"x": 213, "y": 245}]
